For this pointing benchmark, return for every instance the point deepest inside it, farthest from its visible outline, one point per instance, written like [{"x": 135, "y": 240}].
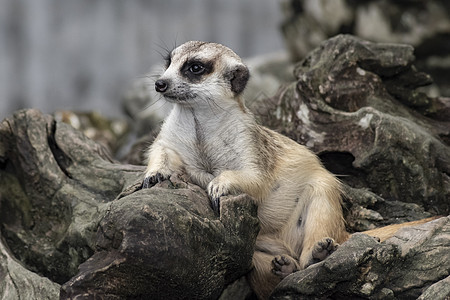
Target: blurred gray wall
[{"x": 83, "y": 54}]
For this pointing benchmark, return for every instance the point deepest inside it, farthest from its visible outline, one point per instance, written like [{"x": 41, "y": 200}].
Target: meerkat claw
[
  {"x": 150, "y": 181},
  {"x": 215, "y": 203},
  {"x": 146, "y": 183},
  {"x": 215, "y": 191}
]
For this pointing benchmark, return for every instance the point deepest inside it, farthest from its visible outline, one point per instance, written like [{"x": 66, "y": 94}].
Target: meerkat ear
[{"x": 238, "y": 77}]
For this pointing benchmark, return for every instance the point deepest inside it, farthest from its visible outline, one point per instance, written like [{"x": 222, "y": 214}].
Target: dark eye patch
[{"x": 194, "y": 69}]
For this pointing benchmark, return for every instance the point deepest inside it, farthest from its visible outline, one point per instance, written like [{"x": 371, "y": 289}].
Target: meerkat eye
[
  {"x": 197, "y": 69},
  {"x": 194, "y": 69}
]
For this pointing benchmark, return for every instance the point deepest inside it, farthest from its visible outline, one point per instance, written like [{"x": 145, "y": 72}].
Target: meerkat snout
[{"x": 161, "y": 85}]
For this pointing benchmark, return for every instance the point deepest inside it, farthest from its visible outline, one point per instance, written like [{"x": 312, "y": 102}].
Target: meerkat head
[{"x": 199, "y": 71}]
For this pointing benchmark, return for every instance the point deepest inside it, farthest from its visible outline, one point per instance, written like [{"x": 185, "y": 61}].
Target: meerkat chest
[{"x": 207, "y": 144}]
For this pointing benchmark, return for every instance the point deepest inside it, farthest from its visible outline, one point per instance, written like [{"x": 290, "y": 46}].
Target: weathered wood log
[
  {"x": 64, "y": 200},
  {"x": 355, "y": 104},
  {"x": 403, "y": 267},
  {"x": 71, "y": 213}
]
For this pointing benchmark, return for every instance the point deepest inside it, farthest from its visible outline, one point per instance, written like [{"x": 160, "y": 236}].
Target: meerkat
[{"x": 212, "y": 137}]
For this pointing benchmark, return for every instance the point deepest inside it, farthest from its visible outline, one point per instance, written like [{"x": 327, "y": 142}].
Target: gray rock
[
  {"x": 438, "y": 291},
  {"x": 64, "y": 200},
  {"x": 111, "y": 133},
  {"x": 72, "y": 214},
  {"x": 16, "y": 282},
  {"x": 51, "y": 197},
  {"x": 240, "y": 289},
  {"x": 400, "y": 268},
  {"x": 425, "y": 25},
  {"x": 166, "y": 243},
  {"x": 344, "y": 107}
]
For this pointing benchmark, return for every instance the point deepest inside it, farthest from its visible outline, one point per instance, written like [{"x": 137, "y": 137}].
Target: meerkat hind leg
[
  {"x": 323, "y": 224},
  {"x": 318, "y": 243}
]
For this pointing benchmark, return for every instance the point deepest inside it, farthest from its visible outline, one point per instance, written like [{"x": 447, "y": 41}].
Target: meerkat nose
[{"x": 161, "y": 86}]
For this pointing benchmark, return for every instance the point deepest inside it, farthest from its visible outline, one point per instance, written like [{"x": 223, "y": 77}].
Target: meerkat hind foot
[
  {"x": 283, "y": 265},
  {"x": 322, "y": 249}
]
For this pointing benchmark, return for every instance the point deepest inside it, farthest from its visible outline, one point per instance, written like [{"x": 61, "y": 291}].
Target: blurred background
[{"x": 84, "y": 54}]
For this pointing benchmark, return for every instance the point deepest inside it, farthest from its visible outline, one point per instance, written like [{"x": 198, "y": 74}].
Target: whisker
[
  {"x": 153, "y": 103},
  {"x": 164, "y": 47},
  {"x": 210, "y": 101},
  {"x": 149, "y": 76},
  {"x": 258, "y": 96}
]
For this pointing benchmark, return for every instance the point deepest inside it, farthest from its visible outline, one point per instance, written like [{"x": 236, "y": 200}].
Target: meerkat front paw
[
  {"x": 153, "y": 178},
  {"x": 283, "y": 265}
]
